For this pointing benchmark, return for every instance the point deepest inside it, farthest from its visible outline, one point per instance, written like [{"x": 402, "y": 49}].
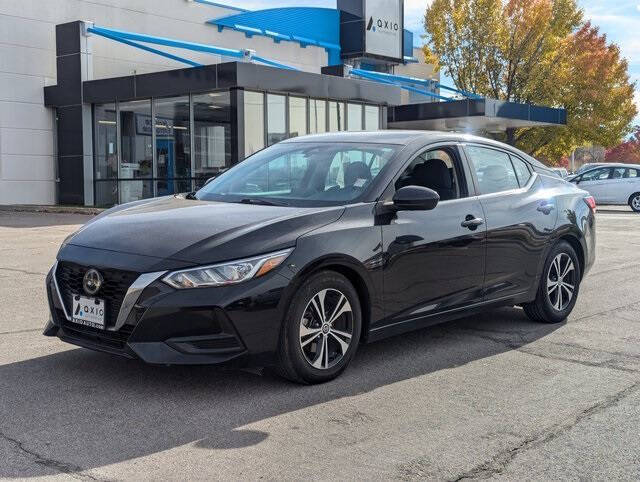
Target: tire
[
  {"x": 634, "y": 202},
  {"x": 551, "y": 305},
  {"x": 313, "y": 348}
]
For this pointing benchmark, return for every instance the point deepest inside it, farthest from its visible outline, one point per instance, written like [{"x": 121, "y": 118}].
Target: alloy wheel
[
  {"x": 561, "y": 283},
  {"x": 326, "y": 328},
  {"x": 635, "y": 203}
]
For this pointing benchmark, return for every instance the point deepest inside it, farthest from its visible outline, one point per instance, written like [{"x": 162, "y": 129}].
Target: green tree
[{"x": 540, "y": 52}]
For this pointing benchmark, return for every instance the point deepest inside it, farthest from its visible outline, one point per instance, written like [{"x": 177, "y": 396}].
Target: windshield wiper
[{"x": 262, "y": 202}]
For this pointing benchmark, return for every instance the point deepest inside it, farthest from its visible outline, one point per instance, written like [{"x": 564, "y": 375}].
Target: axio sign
[{"x": 383, "y": 34}]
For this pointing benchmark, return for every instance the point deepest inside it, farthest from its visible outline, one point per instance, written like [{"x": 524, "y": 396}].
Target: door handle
[
  {"x": 546, "y": 208},
  {"x": 472, "y": 222}
]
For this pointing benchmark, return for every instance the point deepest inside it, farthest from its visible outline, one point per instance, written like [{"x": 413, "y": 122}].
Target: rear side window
[
  {"x": 522, "y": 170},
  {"x": 618, "y": 173},
  {"x": 493, "y": 169},
  {"x": 632, "y": 173}
]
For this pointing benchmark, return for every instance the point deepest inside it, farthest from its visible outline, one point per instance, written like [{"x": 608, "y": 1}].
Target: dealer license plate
[{"x": 88, "y": 311}]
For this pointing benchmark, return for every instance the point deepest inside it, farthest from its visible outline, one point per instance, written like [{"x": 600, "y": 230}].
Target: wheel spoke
[
  {"x": 567, "y": 268},
  {"x": 556, "y": 266},
  {"x": 319, "y": 311},
  {"x": 321, "y": 296},
  {"x": 340, "y": 310},
  {"x": 551, "y": 289},
  {"x": 306, "y": 331},
  {"x": 558, "y": 305},
  {"x": 344, "y": 346},
  {"x": 311, "y": 333},
  {"x": 567, "y": 285},
  {"x": 569, "y": 293},
  {"x": 319, "y": 362}
]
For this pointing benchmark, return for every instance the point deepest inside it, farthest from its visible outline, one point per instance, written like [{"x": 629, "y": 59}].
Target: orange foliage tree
[{"x": 539, "y": 52}]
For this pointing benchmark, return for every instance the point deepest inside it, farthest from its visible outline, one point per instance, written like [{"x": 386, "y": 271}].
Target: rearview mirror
[{"x": 415, "y": 198}]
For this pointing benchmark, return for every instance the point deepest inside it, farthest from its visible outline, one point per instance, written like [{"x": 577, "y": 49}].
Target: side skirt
[{"x": 411, "y": 324}]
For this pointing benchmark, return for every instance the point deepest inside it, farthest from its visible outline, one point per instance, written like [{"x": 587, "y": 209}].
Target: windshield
[{"x": 302, "y": 174}]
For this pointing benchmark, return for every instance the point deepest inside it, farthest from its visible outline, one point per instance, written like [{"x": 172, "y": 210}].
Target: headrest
[
  {"x": 355, "y": 171},
  {"x": 433, "y": 172}
]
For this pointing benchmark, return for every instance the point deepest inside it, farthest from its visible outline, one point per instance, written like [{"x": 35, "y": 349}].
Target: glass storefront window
[
  {"x": 297, "y": 116},
  {"x": 317, "y": 116},
  {"x": 253, "y": 122},
  {"x": 106, "y": 152},
  {"x": 371, "y": 117},
  {"x": 212, "y": 135},
  {"x": 336, "y": 116},
  {"x": 173, "y": 143},
  {"x": 354, "y": 117},
  {"x": 136, "y": 158},
  {"x": 276, "y": 119}
]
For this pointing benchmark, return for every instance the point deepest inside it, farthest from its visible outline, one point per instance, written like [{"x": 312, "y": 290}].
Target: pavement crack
[
  {"x": 609, "y": 364},
  {"x": 23, "y": 271},
  {"x": 63, "y": 467},
  {"x": 519, "y": 347},
  {"x": 17, "y": 332},
  {"x": 501, "y": 460}
]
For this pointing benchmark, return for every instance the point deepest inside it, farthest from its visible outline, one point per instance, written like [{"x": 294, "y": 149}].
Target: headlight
[{"x": 226, "y": 273}]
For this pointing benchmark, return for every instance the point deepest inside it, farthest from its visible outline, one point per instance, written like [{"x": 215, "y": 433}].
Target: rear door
[
  {"x": 519, "y": 218},
  {"x": 434, "y": 260},
  {"x": 631, "y": 183}
]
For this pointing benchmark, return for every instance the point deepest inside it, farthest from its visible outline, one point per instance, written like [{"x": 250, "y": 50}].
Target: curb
[{"x": 31, "y": 208}]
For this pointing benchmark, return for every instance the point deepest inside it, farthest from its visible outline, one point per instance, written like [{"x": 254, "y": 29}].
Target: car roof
[
  {"x": 404, "y": 137},
  {"x": 614, "y": 164}
]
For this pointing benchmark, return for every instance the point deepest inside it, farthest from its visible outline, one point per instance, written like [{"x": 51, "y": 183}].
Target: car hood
[{"x": 199, "y": 232}]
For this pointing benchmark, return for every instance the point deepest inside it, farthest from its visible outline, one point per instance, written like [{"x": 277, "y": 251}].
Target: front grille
[
  {"x": 109, "y": 339},
  {"x": 116, "y": 283}
]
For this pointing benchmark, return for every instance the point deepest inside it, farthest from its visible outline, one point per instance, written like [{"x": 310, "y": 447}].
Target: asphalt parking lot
[{"x": 492, "y": 396}]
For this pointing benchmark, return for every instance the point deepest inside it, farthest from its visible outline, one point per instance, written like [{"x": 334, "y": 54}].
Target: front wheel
[
  {"x": 634, "y": 202},
  {"x": 321, "y": 331},
  {"x": 558, "y": 288}
]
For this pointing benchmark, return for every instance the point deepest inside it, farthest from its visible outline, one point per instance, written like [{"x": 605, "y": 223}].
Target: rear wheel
[
  {"x": 634, "y": 202},
  {"x": 559, "y": 285},
  {"x": 321, "y": 331}
]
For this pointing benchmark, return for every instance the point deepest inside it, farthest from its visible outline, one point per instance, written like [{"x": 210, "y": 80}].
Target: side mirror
[{"x": 415, "y": 198}]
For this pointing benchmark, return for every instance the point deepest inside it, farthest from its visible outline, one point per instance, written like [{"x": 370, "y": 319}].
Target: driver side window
[
  {"x": 596, "y": 175},
  {"x": 436, "y": 169}
]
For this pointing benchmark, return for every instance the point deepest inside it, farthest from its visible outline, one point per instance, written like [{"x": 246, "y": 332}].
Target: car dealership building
[{"x": 107, "y": 102}]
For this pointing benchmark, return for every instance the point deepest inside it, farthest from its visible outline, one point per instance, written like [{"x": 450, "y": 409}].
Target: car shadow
[{"x": 80, "y": 410}]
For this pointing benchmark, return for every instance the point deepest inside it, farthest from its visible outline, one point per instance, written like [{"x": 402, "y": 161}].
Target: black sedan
[{"x": 312, "y": 246}]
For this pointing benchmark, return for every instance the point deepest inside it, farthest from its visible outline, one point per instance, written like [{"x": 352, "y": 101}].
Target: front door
[
  {"x": 596, "y": 183},
  {"x": 434, "y": 260}
]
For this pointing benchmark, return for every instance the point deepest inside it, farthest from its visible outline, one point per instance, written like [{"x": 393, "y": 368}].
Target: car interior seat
[
  {"x": 435, "y": 175},
  {"x": 356, "y": 174}
]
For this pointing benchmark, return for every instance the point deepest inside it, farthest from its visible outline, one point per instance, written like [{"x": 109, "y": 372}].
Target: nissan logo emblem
[{"x": 92, "y": 281}]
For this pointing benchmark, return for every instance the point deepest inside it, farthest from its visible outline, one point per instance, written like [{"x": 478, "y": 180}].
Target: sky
[{"x": 618, "y": 19}]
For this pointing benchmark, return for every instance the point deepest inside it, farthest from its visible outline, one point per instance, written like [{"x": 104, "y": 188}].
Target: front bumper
[{"x": 237, "y": 324}]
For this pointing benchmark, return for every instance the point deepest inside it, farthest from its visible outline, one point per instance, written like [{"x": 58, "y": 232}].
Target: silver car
[
  {"x": 561, "y": 171},
  {"x": 612, "y": 184}
]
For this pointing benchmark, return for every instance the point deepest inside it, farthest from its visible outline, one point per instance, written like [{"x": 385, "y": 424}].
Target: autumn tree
[
  {"x": 627, "y": 151},
  {"x": 539, "y": 52}
]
